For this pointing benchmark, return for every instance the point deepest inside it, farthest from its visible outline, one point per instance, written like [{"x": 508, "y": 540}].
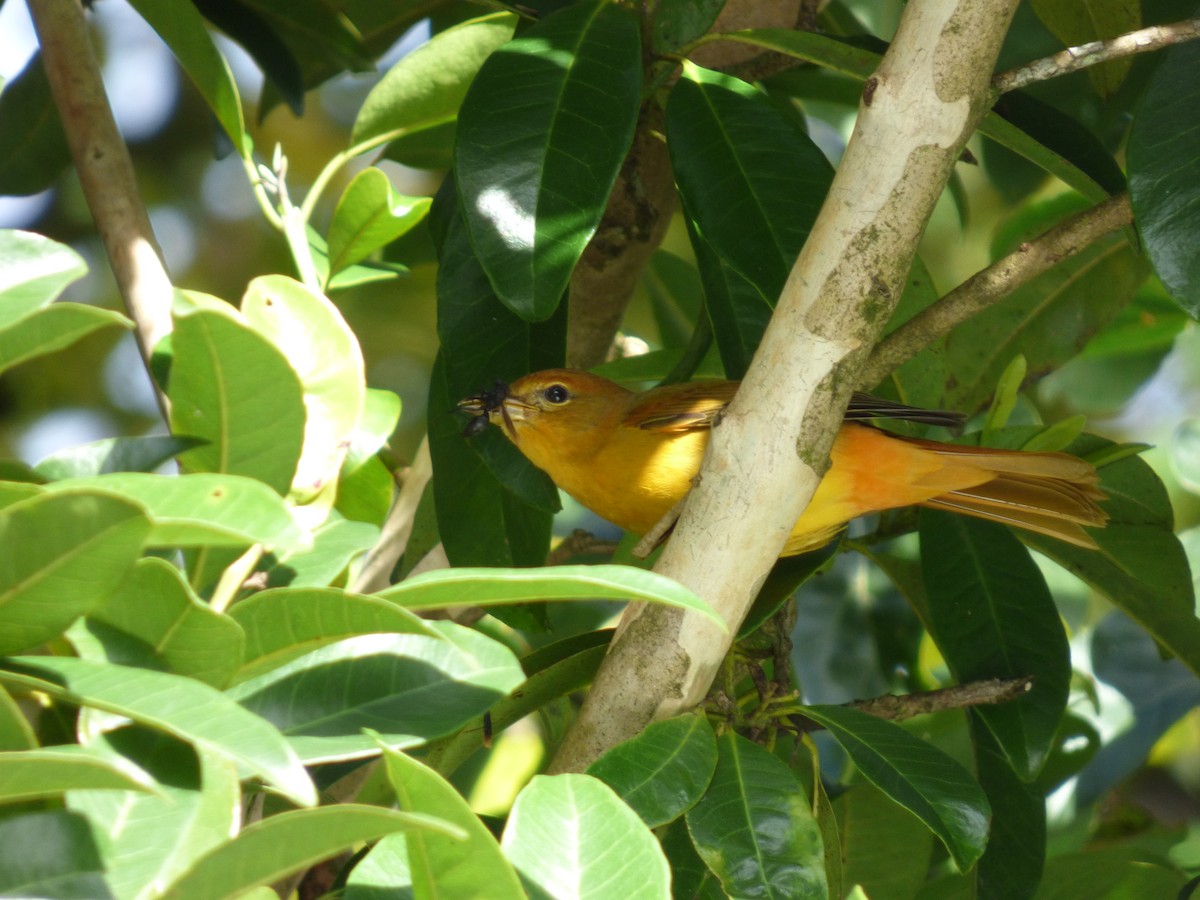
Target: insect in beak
[{"x": 481, "y": 406}]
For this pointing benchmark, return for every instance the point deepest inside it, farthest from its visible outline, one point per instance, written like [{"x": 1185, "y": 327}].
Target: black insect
[{"x": 479, "y": 405}]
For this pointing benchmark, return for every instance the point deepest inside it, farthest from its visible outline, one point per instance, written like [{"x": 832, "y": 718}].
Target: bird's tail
[{"x": 1050, "y": 493}]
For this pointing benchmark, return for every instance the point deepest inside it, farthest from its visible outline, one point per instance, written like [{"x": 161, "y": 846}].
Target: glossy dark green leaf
[
  {"x": 1140, "y": 566},
  {"x": 663, "y": 771},
  {"x": 571, "y": 836},
  {"x": 922, "y": 380},
  {"x": 993, "y": 617},
  {"x": 751, "y": 182},
  {"x": 268, "y": 50},
  {"x": 754, "y": 826},
  {"x": 50, "y": 854},
  {"x": 234, "y": 389},
  {"x": 33, "y": 146},
  {"x": 408, "y": 687},
  {"x": 691, "y": 879},
  {"x": 196, "y": 805},
  {"x": 1164, "y": 173},
  {"x": 441, "y": 865},
  {"x": 63, "y": 555},
  {"x": 424, "y": 90},
  {"x": 178, "y": 706},
  {"x": 272, "y": 848},
  {"x": 884, "y": 848},
  {"x": 678, "y": 22},
  {"x": 369, "y": 215},
  {"x": 124, "y": 454},
  {"x": 321, "y": 27},
  {"x": 156, "y": 606},
  {"x": 1016, "y": 852},
  {"x": 36, "y": 270},
  {"x": 541, "y": 136},
  {"x": 917, "y": 775},
  {"x": 1110, "y": 873},
  {"x": 183, "y": 30},
  {"x": 283, "y": 624},
  {"x": 53, "y": 328}
]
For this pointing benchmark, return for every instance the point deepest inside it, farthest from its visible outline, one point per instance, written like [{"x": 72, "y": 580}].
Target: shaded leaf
[
  {"x": 51, "y": 329},
  {"x": 124, "y": 454},
  {"x": 50, "y": 854},
  {"x": 917, "y": 775},
  {"x": 63, "y": 554},
  {"x": 886, "y": 850},
  {"x": 26, "y": 774},
  {"x": 179, "y": 706},
  {"x": 1093, "y": 20},
  {"x": 33, "y": 146}
]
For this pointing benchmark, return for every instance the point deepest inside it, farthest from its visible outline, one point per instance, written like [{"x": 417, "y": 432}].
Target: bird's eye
[{"x": 556, "y": 394}]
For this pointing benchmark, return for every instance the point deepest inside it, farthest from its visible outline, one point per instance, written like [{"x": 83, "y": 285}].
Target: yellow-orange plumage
[{"x": 631, "y": 457}]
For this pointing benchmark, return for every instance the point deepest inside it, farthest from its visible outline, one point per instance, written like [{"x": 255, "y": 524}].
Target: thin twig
[
  {"x": 1075, "y": 58},
  {"x": 995, "y": 283},
  {"x": 105, "y": 173},
  {"x": 381, "y": 560},
  {"x": 961, "y": 696}
]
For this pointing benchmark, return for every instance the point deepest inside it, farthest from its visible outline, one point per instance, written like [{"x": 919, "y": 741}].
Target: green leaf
[
  {"x": 1110, "y": 873},
  {"x": 439, "y": 864},
  {"x": 199, "y": 510},
  {"x": 50, "y": 854},
  {"x": 266, "y": 47},
  {"x": 370, "y": 215},
  {"x": 51, "y": 329},
  {"x": 124, "y": 454},
  {"x": 33, "y": 146},
  {"x": 156, "y": 606},
  {"x": 885, "y": 848},
  {"x": 268, "y": 850},
  {"x": 283, "y": 624},
  {"x": 334, "y": 545},
  {"x": 408, "y": 687},
  {"x": 751, "y": 182},
  {"x": 663, "y": 771},
  {"x": 921, "y": 380},
  {"x": 35, "y": 271},
  {"x": 691, "y": 879},
  {"x": 196, "y": 806},
  {"x": 917, "y": 775},
  {"x": 487, "y": 587},
  {"x": 183, "y": 29},
  {"x": 1048, "y": 320},
  {"x": 571, "y": 836},
  {"x": 992, "y": 616},
  {"x": 376, "y": 422},
  {"x": 236, "y": 390},
  {"x": 1164, "y": 173},
  {"x": 324, "y": 353},
  {"x": 1016, "y": 851},
  {"x": 1140, "y": 565},
  {"x": 63, "y": 554},
  {"x": 28, "y": 774},
  {"x": 1093, "y": 20},
  {"x": 426, "y": 87},
  {"x": 754, "y": 826},
  {"x": 15, "y": 730},
  {"x": 541, "y": 136},
  {"x": 179, "y": 706},
  {"x": 679, "y": 22}
]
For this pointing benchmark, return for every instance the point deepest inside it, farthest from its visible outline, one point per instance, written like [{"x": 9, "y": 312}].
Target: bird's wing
[
  {"x": 680, "y": 407},
  {"x": 864, "y": 406}
]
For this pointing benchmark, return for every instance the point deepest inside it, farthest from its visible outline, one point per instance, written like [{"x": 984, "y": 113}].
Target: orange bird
[{"x": 631, "y": 457}]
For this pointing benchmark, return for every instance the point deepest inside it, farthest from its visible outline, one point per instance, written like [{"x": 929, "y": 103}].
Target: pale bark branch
[
  {"x": 377, "y": 569},
  {"x": 766, "y": 458},
  {"x": 995, "y": 283},
  {"x": 1075, "y": 58},
  {"x": 105, "y": 171}
]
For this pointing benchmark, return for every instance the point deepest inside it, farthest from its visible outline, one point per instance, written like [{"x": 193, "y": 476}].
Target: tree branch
[
  {"x": 764, "y": 461},
  {"x": 995, "y": 283},
  {"x": 960, "y": 696},
  {"x": 105, "y": 172},
  {"x": 1075, "y": 58}
]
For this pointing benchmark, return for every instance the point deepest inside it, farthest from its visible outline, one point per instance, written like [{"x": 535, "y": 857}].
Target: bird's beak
[{"x": 496, "y": 405}]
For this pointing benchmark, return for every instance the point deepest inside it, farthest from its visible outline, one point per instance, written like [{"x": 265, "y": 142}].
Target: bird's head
[{"x": 556, "y": 409}]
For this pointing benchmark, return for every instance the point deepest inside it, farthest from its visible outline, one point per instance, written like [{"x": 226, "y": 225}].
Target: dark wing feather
[{"x": 864, "y": 406}]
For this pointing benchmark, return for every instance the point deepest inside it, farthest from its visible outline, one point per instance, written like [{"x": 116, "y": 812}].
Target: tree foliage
[{"x": 221, "y": 670}]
